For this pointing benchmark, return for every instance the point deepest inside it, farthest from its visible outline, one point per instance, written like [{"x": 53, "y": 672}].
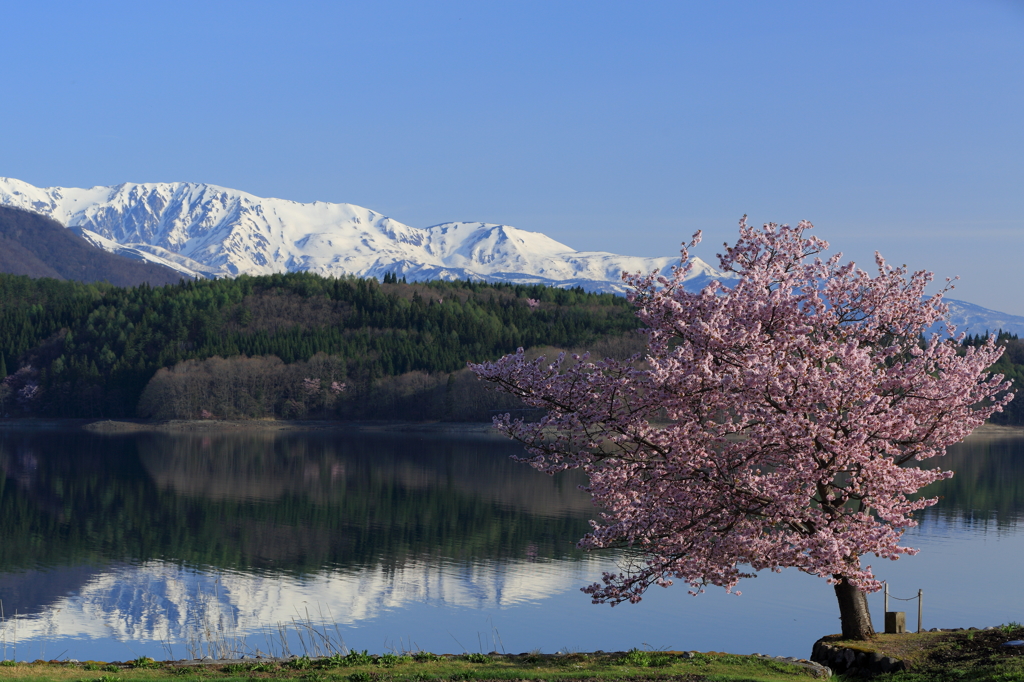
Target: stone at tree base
[
  {"x": 846, "y": 660},
  {"x": 895, "y": 622},
  {"x": 892, "y": 665}
]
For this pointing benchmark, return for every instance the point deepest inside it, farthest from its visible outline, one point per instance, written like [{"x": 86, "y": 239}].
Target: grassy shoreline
[
  {"x": 960, "y": 655},
  {"x": 427, "y": 667}
]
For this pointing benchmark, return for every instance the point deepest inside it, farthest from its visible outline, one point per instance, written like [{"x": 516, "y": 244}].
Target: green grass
[
  {"x": 427, "y": 667},
  {"x": 951, "y": 656}
]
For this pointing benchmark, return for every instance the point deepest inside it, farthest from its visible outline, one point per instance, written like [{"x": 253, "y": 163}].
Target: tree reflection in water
[
  {"x": 144, "y": 538},
  {"x": 285, "y": 502}
]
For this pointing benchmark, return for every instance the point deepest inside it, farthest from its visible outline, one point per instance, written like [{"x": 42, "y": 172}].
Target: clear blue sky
[{"x": 624, "y": 127}]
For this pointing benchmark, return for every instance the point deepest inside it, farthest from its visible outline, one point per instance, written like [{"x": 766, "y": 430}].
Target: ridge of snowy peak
[
  {"x": 170, "y": 215},
  {"x": 19, "y": 194},
  {"x": 261, "y": 236},
  {"x": 212, "y": 229},
  {"x": 121, "y": 212},
  {"x": 509, "y": 251},
  {"x": 463, "y": 240},
  {"x": 970, "y": 318},
  {"x": 489, "y": 248},
  {"x": 228, "y": 230},
  {"x": 153, "y": 254}
]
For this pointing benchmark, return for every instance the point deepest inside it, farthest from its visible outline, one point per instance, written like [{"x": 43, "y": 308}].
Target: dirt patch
[{"x": 972, "y": 646}]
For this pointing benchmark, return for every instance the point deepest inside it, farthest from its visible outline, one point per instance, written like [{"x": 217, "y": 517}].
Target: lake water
[{"x": 170, "y": 546}]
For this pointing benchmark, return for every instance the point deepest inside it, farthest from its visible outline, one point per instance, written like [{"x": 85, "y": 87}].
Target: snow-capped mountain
[
  {"x": 205, "y": 230},
  {"x": 209, "y": 231},
  {"x": 973, "y": 319}
]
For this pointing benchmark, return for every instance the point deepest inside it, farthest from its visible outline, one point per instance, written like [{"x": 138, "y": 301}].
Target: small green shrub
[
  {"x": 8, "y": 664},
  {"x": 143, "y": 662},
  {"x": 357, "y": 658},
  {"x": 646, "y": 659},
  {"x": 360, "y": 677},
  {"x": 301, "y": 663},
  {"x": 335, "y": 661},
  {"x": 477, "y": 658},
  {"x": 391, "y": 660},
  {"x": 660, "y": 660}
]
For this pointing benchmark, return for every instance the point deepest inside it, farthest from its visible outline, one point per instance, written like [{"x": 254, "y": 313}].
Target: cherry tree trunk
[{"x": 853, "y": 611}]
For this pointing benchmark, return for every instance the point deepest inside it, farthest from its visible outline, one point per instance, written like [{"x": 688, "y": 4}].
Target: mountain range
[
  {"x": 202, "y": 230},
  {"x": 210, "y": 231}
]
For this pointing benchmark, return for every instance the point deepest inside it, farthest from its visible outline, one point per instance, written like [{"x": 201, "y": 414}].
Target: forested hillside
[
  {"x": 299, "y": 346},
  {"x": 1010, "y": 365},
  {"x": 290, "y": 345}
]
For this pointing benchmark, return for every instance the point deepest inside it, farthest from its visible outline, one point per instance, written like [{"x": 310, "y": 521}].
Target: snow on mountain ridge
[
  {"x": 212, "y": 231},
  {"x": 228, "y": 232},
  {"x": 148, "y": 253}
]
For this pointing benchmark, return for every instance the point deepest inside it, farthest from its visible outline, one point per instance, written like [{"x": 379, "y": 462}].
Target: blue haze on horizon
[{"x": 621, "y": 127}]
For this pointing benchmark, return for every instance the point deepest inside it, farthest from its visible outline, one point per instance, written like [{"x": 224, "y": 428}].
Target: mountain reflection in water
[
  {"x": 291, "y": 503},
  {"x": 115, "y": 546}
]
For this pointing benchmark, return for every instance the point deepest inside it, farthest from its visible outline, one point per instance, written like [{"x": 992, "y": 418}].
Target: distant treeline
[
  {"x": 292, "y": 345},
  {"x": 300, "y": 345},
  {"x": 1010, "y": 365}
]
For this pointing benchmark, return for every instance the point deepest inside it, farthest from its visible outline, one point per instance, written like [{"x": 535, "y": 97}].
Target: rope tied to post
[{"x": 920, "y": 604}]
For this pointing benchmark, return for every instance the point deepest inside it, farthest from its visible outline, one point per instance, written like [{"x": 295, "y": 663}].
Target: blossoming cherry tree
[{"x": 776, "y": 420}]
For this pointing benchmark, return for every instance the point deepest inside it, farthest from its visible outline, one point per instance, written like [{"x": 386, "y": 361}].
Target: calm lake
[{"x": 114, "y": 547}]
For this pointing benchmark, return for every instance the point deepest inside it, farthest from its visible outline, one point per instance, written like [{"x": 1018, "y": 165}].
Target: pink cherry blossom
[
  {"x": 311, "y": 386},
  {"x": 776, "y": 420}
]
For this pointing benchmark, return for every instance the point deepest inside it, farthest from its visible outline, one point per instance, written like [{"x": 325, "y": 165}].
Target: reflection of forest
[
  {"x": 325, "y": 468},
  {"x": 297, "y": 502},
  {"x": 988, "y": 481},
  {"x": 287, "y": 502}
]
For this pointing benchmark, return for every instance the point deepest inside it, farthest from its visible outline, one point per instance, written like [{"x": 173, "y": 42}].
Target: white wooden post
[{"x": 920, "y": 601}]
